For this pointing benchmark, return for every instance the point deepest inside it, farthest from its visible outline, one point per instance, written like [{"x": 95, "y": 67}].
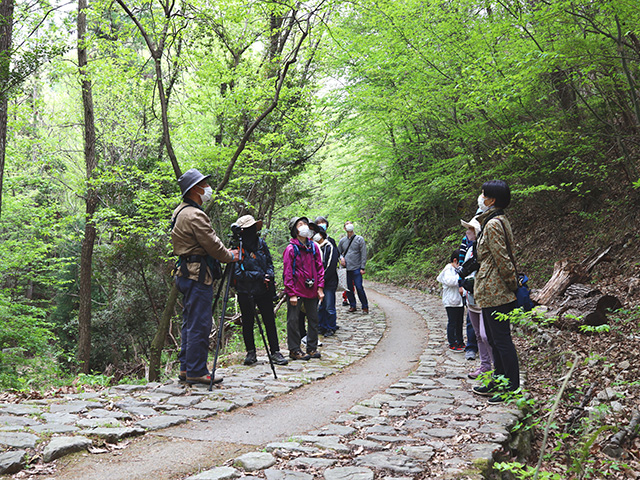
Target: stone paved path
[{"x": 427, "y": 425}]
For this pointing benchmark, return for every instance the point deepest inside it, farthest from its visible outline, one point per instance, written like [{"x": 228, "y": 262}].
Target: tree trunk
[
  {"x": 565, "y": 273},
  {"x": 86, "y": 255},
  {"x": 161, "y": 336},
  {"x": 6, "y": 32}
]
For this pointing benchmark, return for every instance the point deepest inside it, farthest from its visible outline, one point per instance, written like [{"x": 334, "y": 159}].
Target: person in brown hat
[
  {"x": 253, "y": 280},
  {"x": 199, "y": 250}
]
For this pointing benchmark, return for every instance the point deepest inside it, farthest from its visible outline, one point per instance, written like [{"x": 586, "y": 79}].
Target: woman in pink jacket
[{"x": 303, "y": 284}]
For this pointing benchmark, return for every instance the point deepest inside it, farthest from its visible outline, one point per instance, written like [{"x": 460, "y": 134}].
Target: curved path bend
[{"x": 189, "y": 448}]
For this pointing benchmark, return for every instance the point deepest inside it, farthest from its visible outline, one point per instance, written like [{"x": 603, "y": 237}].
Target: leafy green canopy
[{"x": 436, "y": 97}]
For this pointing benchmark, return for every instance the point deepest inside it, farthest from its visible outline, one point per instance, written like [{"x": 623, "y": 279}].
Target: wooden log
[
  {"x": 614, "y": 447},
  {"x": 565, "y": 273},
  {"x": 596, "y": 257}
]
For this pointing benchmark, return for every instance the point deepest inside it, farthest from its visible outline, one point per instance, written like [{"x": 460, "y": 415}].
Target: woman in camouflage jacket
[{"x": 495, "y": 284}]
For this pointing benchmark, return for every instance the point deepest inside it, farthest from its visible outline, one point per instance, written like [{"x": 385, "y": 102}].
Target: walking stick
[
  {"x": 264, "y": 341},
  {"x": 227, "y": 274}
]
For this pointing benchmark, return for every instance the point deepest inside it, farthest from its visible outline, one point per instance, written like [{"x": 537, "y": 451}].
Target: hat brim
[
  {"x": 476, "y": 227},
  {"x": 195, "y": 182}
]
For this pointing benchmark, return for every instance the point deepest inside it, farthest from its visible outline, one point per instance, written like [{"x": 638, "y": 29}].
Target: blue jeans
[
  {"x": 197, "y": 320},
  {"x": 472, "y": 340},
  {"x": 327, "y": 312},
  {"x": 355, "y": 277}
]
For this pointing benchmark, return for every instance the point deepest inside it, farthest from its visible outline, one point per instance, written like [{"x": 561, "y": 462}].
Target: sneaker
[
  {"x": 251, "y": 358},
  {"x": 279, "y": 359},
  {"x": 485, "y": 390},
  {"x": 328, "y": 333},
  {"x": 204, "y": 380},
  {"x": 303, "y": 341},
  {"x": 476, "y": 374},
  {"x": 456, "y": 348},
  {"x": 469, "y": 355},
  {"x": 496, "y": 399},
  {"x": 345, "y": 304},
  {"x": 452, "y": 348},
  {"x": 298, "y": 355},
  {"x": 314, "y": 354}
]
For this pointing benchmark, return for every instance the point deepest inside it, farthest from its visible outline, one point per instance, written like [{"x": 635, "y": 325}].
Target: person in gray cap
[
  {"x": 199, "y": 250},
  {"x": 253, "y": 280}
]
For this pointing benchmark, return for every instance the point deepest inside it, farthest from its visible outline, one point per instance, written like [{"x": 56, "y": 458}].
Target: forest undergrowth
[{"x": 600, "y": 398}]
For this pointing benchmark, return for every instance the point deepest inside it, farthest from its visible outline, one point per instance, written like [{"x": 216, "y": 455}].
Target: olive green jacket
[
  {"x": 496, "y": 280},
  {"x": 193, "y": 234}
]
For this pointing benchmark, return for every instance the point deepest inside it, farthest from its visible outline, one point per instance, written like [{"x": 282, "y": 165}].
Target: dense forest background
[{"x": 391, "y": 114}]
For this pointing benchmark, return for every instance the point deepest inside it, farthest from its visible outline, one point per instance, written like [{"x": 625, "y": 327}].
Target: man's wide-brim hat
[
  {"x": 473, "y": 223},
  {"x": 247, "y": 221},
  {"x": 190, "y": 179}
]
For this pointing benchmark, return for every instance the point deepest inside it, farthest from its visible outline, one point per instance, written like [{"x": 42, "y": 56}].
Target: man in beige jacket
[{"x": 199, "y": 250}]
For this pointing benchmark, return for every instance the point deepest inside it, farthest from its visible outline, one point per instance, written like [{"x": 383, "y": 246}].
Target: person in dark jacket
[
  {"x": 253, "y": 279},
  {"x": 327, "y": 308}
]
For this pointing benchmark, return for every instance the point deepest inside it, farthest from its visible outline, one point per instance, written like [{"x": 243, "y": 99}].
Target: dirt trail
[{"x": 179, "y": 451}]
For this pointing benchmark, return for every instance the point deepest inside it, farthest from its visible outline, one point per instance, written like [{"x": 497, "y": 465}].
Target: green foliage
[
  {"x": 526, "y": 319},
  {"x": 521, "y": 471},
  {"x": 594, "y": 329},
  {"x": 97, "y": 380},
  {"x": 27, "y": 358}
]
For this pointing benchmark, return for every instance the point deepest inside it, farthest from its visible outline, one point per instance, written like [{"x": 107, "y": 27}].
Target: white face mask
[
  {"x": 304, "y": 231},
  {"x": 317, "y": 238},
  {"x": 206, "y": 196},
  {"x": 481, "y": 204},
  {"x": 349, "y": 228}
]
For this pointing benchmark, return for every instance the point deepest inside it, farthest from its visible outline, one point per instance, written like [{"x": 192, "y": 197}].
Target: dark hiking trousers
[
  {"x": 505, "y": 357},
  {"x": 196, "y": 326},
  {"x": 247, "y": 303}
]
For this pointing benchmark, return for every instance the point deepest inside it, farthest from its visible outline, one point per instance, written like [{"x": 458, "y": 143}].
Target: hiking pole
[
  {"x": 264, "y": 341},
  {"x": 227, "y": 273}
]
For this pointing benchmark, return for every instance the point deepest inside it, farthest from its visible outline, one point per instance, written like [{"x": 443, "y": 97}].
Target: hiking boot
[
  {"x": 486, "y": 390},
  {"x": 314, "y": 354},
  {"x": 204, "y": 380},
  {"x": 352, "y": 309},
  {"x": 182, "y": 376},
  {"x": 365, "y": 310},
  {"x": 469, "y": 355},
  {"x": 251, "y": 358},
  {"x": 279, "y": 359},
  {"x": 298, "y": 355}
]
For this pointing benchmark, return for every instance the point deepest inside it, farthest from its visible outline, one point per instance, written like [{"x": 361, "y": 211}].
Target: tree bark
[
  {"x": 6, "y": 32},
  {"x": 161, "y": 336},
  {"x": 86, "y": 255}
]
